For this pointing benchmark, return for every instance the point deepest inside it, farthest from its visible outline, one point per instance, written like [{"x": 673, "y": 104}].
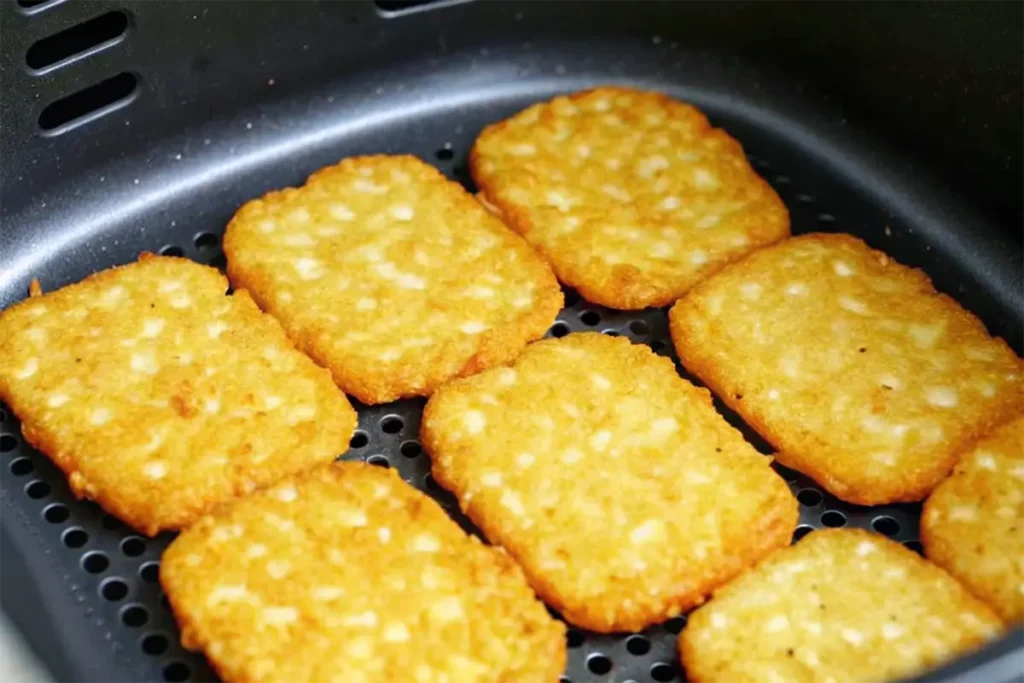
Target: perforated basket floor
[{"x": 84, "y": 587}]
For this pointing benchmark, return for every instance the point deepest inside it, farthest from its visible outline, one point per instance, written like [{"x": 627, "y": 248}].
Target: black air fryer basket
[{"x": 142, "y": 126}]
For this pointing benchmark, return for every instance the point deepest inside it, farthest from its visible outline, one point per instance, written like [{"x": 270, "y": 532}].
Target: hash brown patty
[
  {"x": 391, "y": 275},
  {"x": 840, "y": 605},
  {"x": 345, "y": 573},
  {"x": 973, "y": 523},
  {"x": 613, "y": 482},
  {"x": 159, "y": 396},
  {"x": 850, "y": 364},
  {"x": 632, "y": 196}
]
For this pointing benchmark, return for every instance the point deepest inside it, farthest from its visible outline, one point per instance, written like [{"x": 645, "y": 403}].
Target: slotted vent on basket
[{"x": 67, "y": 49}]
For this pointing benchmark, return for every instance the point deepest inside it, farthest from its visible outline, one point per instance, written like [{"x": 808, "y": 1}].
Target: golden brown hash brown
[
  {"x": 604, "y": 474},
  {"x": 850, "y": 364},
  {"x": 973, "y": 523},
  {"x": 841, "y": 605},
  {"x": 632, "y": 196},
  {"x": 345, "y": 573},
  {"x": 159, "y": 396},
  {"x": 391, "y": 275}
]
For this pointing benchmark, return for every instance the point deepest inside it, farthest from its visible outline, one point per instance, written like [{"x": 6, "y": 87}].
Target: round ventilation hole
[
  {"x": 74, "y": 538},
  {"x": 675, "y": 625},
  {"x": 206, "y": 242},
  {"x": 657, "y": 346},
  {"x": 21, "y": 467},
  {"x": 411, "y": 449},
  {"x": 172, "y": 250},
  {"x": 915, "y": 546},
  {"x": 177, "y": 671},
  {"x": 639, "y": 328},
  {"x": 378, "y": 461},
  {"x": 431, "y": 484},
  {"x": 559, "y": 329},
  {"x": 638, "y": 645},
  {"x": 134, "y": 616},
  {"x": 590, "y": 318},
  {"x": 114, "y": 590},
  {"x": 599, "y": 664},
  {"x": 809, "y": 497},
  {"x": 833, "y": 518},
  {"x": 573, "y": 638},
  {"x": 133, "y": 546},
  {"x": 37, "y": 489},
  {"x": 56, "y": 514},
  {"x": 801, "y": 531},
  {"x": 150, "y": 572},
  {"x": 444, "y": 153},
  {"x": 95, "y": 563},
  {"x": 7, "y": 443},
  {"x": 392, "y": 424},
  {"x": 662, "y": 672},
  {"x": 612, "y": 332},
  {"x": 886, "y": 525},
  {"x": 359, "y": 440},
  {"x": 154, "y": 644}
]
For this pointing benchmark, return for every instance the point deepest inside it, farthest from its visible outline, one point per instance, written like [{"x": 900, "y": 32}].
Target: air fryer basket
[{"x": 185, "y": 110}]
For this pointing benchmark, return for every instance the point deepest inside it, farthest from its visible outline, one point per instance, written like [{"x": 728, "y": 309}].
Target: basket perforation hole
[
  {"x": 411, "y": 449},
  {"x": 8, "y": 442},
  {"x": 379, "y": 461},
  {"x": 176, "y": 672},
  {"x": 359, "y": 440},
  {"x": 590, "y": 318},
  {"x": 638, "y": 645},
  {"x": 392, "y": 424},
  {"x": 76, "y": 40},
  {"x": 133, "y": 546},
  {"x": 94, "y": 100},
  {"x": 810, "y": 497},
  {"x": 639, "y": 328},
  {"x": 74, "y": 538},
  {"x": 559, "y": 329},
  {"x": 675, "y": 625},
  {"x": 662, "y": 672},
  {"x": 801, "y": 531},
  {"x": 155, "y": 644},
  {"x": 915, "y": 546},
  {"x": 37, "y": 489},
  {"x": 833, "y": 518},
  {"x": 95, "y": 563},
  {"x": 206, "y": 242},
  {"x": 21, "y": 467},
  {"x": 56, "y": 513},
  {"x": 150, "y": 572},
  {"x": 114, "y": 590},
  {"x": 171, "y": 250},
  {"x": 444, "y": 153},
  {"x": 134, "y": 616},
  {"x": 599, "y": 664},
  {"x": 885, "y": 525},
  {"x": 574, "y": 638}
]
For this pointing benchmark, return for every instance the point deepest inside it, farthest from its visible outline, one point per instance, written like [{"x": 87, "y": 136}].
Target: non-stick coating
[{"x": 83, "y": 586}]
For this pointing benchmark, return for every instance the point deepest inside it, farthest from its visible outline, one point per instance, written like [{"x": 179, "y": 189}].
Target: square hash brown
[
  {"x": 346, "y": 573},
  {"x": 391, "y": 275},
  {"x": 852, "y": 365},
  {"x": 159, "y": 396},
  {"x": 631, "y": 195},
  {"x": 604, "y": 474}
]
